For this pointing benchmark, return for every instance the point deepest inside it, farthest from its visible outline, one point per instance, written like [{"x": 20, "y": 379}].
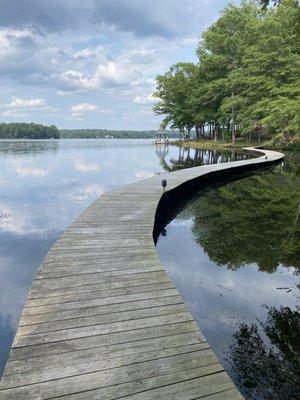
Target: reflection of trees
[
  {"x": 254, "y": 220},
  {"x": 6, "y": 338},
  {"x": 268, "y": 369},
  {"x": 161, "y": 152},
  {"x": 29, "y": 147},
  {"x": 188, "y": 158}
]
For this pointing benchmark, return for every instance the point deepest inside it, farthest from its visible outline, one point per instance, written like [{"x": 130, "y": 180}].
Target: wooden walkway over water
[{"x": 104, "y": 321}]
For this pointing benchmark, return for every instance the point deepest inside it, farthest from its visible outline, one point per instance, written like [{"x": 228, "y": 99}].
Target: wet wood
[{"x": 104, "y": 321}]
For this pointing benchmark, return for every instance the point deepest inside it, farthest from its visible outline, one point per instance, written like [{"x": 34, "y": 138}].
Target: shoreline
[{"x": 219, "y": 145}]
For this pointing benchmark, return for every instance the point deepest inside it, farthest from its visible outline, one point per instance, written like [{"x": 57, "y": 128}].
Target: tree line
[
  {"x": 22, "y": 130},
  {"x": 116, "y": 134},
  {"x": 246, "y": 82}
]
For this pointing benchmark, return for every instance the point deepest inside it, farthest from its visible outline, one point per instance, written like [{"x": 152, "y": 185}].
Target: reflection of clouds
[
  {"x": 40, "y": 218},
  {"x": 89, "y": 191},
  {"x": 84, "y": 166},
  {"x": 12, "y": 221},
  {"x": 4, "y": 182},
  {"x": 26, "y": 170},
  {"x": 143, "y": 174},
  {"x": 31, "y": 171},
  {"x": 6, "y": 337},
  {"x": 219, "y": 298}
]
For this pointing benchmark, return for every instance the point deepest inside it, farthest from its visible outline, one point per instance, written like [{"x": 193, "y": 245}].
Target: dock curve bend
[{"x": 104, "y": 321}]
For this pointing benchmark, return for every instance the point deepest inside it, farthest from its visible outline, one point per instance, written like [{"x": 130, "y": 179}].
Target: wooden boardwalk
[{"x": 103, "y": 320}]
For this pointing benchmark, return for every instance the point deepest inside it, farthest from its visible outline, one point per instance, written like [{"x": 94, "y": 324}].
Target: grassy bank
[
  {"x": 278, "y": 143},
  {"x": 211, "y": 144}
]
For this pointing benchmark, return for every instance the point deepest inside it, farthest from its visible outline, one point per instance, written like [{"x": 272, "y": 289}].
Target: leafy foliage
[
  {"x": 28, "y": 131},
  {"x": 247, "y": 79},
  {"x": 103, "y": 133}
]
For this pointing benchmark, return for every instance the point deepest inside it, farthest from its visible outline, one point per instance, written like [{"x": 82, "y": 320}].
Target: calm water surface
[
  {"x": 45, "y": 185},
  {"x": 234, "y": 253}
]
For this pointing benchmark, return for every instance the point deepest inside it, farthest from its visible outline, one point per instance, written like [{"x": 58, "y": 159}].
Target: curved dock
[{"x": 103, "y": 320}]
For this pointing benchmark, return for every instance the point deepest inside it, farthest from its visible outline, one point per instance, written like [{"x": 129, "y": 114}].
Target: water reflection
[
  {"x": 44, "y": 186},
  {"x": 28, "y": 146},
  {"x": 188, "y": 158},
  {"x": 261, "y": 217},
  {"x": 6, "y": 336},
  {"x": 268, "y": 371},
  {"x": 233, "y": 252}
]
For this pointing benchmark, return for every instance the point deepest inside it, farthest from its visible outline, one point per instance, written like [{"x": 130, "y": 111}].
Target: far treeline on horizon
[
  {"x": 22, "y": 130},
  {"x": 245, "y": 85}
]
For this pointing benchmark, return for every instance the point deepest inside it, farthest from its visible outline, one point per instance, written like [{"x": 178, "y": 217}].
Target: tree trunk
[
  {"x": 232, "y": 125},
  {"x": 197, "y": 132},
  {"x": 189, "y": 132},
  {"x": 228, "y": 126},
  {"x": 216, "y": 132}
]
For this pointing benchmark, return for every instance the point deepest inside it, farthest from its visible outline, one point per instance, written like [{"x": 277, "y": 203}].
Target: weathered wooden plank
[
  {"x": 100, "y": 310},
  {"x": 228, "y": 394},
  {"x": 187, "y": 390},
  {"x": 46, "y": 284},
  {"x": 99, "y": 302},
  {"x": 93, "y": 380},
  {"x": 110, "y": 350},
  {"x": 116, "y": 284},
  {"x": 141, "y": 386},
  {"x": 59, "y": 371},
  {"x": 102, "y": 329},
  {"x": 64, "y": 346},
  {"x": 100, "y": 319},
  {"x": 96, "y": 294}
]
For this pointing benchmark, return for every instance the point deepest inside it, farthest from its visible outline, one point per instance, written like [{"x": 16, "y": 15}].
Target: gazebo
[{"x": 162, "y": 137}]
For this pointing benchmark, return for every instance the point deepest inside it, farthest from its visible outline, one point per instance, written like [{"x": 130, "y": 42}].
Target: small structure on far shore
[{"x": 162, "y": 136}]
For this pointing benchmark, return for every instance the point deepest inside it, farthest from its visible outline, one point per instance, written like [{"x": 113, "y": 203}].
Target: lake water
[
  {"x": 234, "y": 253},
  {"x": 45, "y": 185}
]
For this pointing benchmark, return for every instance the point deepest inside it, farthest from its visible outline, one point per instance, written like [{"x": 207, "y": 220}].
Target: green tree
[
  {"x": 21, "y": 130},
  {"x": 174, "y": 90},
  {"x": 247, "y": 79}
]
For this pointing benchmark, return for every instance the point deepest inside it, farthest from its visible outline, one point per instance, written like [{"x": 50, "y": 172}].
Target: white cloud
[
  {"x": 13, "y": 113},
  {"x": 72, "y": 80},
  {"x": 144, "y": 99},
  {"x": 83, "y": 107},
  {"x": 85, "y": 54},
  {"x": 78, "y": 110},
  {"x": 20, "y": 107},
  {"x": 83, "y": 166},
  {"x": 27, "y": 103},
  {"x": 94, "y": 52}
]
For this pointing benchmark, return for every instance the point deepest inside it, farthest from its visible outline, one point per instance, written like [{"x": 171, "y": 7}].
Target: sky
[{"x": 93, "y": 63}]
